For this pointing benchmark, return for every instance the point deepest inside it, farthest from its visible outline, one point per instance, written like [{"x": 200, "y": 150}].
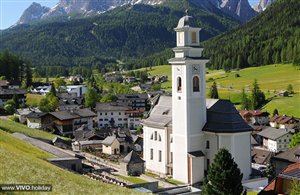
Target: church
[{"x": 183, "y": 132}]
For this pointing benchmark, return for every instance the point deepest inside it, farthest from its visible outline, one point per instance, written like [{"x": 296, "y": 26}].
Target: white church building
[{"x": 183, "y": 132}]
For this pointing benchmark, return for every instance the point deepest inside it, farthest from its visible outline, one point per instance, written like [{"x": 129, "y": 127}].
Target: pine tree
[
  {"x": 275, "y": 112},
  {"x": 245, "y": 103},
  {"x": 53, "y": 90},
  {"x": 224, "y": 177},
  {"x": 214, "y": 91},
  {"x": 270, "y": 171},
  {"x": 257, "y": 96}
]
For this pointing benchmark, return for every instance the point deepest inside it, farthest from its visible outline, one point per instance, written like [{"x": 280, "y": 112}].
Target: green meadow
[
  {"x": 22, "y": 163},
  {"x": 271, "y": 80},
  {"x": 12, "y": 127},
  {"x": 33, "y": 100}
]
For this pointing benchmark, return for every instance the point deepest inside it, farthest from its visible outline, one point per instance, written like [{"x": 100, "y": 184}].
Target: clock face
[{"x": 196, "y": 69}]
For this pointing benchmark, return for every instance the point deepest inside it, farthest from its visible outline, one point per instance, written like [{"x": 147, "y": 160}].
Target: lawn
[
  {"x": 135, "y": 180},
  {"x": 12, "y": 127},
  {"x": 271, "y": 79},
  {"x": 33, "y": 100},
  {"x": 286, "y": 105},
  {"x": 22, "y": 163}
]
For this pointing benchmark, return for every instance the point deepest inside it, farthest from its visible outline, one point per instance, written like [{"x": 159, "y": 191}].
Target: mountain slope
[
  {"x": 272, "y": 37},
  {"x": 238, "y": 9},
  {"x": 127, "y": 32}
]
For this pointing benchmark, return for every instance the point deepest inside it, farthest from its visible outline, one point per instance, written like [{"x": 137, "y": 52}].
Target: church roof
[
  {"x": 222, "y": 116},
  {"x": 161, "y": 114}
]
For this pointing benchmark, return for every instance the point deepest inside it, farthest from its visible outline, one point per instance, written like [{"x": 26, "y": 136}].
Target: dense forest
[
  {"x": 14, "y": 68},
  {"x": 272, "y": 37},
  {"x": 128, "y": 33}
]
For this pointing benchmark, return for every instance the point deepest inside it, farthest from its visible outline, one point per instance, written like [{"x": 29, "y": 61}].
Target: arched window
[
  {"x": 196, "y": 87},
  {"x": 179, "y": 84},
  {"x": 194, "y": 37},
  {"x": 151, "y": 136},
  {"x": 159, "y": 138}
]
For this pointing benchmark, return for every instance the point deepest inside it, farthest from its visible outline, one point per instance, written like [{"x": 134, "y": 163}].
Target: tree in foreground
[
  {"x": 275, "y": 112},
  {"x": 214, "y": 91},
  {"x": 257, "y": 96},
  {"x": 224, "y": 177}
]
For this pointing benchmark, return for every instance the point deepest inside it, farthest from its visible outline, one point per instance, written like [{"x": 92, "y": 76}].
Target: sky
[{"x": 11, "y": 10}]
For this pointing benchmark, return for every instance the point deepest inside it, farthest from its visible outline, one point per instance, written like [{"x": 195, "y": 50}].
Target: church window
[
  {"x": 151, "y": 154},
  {"x": 180, "y": 37},
  {"x": 171, "y": 160},
  {"x": 151, "y": 136},
  {"x": 155, "y": 135},
  {"x": 159, "y": 138},
  {"x": 179, "y": 84},
  {"x": 194, "y": 37},
  {"x": 207, "y": 144},
  {"x": 196, "y": 87},
  {"x": 159, "y": 156}
]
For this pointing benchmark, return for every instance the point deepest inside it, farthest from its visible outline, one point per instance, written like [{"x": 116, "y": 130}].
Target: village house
[
  {"x": 134, "y": 101},
  {"x": 41, "y": 90},
  {"x": 93, "y": 145},
  {"x": 275, "y": 140},
  {"x": 21, "y": 113},
  {"x": 70, "y": 103},
  {"x": 117, "y": 115},
  {"x": 111, "y": 115},
  {"x": 8, "y": 94},
  {"x": 132, "y": 164},
  {"x": 111, "y": 145},
  {"x": 286, "y": 158},
  {"x": 61, "y": 143},
  {"x": 4, "y": 84},
  {"x": 67, "y": 121},
  {"x": 261, "y": 156},
  {"x": 284, "y": 122},
  {"x": 183, "y": 133},
  {"x": 83, "y": 133},
  {"x": 79, "y": 90},
  {"x": 255, "y": 117},
  {"x": 282, "y": 184},
  {"x": 38, "y": 120}
]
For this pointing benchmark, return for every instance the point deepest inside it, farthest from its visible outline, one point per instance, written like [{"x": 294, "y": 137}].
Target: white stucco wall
[
  {"x": 34, "y": 123},
  {"x": 153, "y": 164}
]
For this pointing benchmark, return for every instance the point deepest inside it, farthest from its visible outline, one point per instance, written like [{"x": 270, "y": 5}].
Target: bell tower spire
[{"x": 188, "y": 100}]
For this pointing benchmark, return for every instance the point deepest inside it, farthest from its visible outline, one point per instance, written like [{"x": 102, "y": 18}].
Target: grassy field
[
  {"x": 22, "y": 163},
  {"x": 271, "y": 80},
  {"x": 12, "y": 127},
  {"x": 33, "y": 100},
  {"x": 286, "y": 105},
  {"x": 134, "y": 180}
]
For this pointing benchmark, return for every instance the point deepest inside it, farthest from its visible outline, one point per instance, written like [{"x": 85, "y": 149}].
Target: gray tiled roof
[
  {"x": 161, "y": 114},
  {"x": 68, "y": 115},
  {"x": 109, "y": 140},
  {"x": 133, "y": 157},
  {"x": 36, "y": 115},
  {"x": 289, "y": 155},
  {"x": 12, "y": 91},
  {"x": 108, "y": 107},
  {"x": 272, "y": 133}
]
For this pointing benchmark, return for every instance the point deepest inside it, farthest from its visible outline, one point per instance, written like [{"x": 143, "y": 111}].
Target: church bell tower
[{"x": 188, "y": 103}]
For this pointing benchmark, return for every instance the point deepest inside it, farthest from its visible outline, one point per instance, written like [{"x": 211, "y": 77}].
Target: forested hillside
[
  {"x": 126, "y": 33},
  {"x": 272, "y": 37}
]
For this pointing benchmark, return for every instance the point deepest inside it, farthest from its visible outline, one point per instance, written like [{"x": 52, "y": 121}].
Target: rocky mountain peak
[{"x": 32, "y": 13}]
